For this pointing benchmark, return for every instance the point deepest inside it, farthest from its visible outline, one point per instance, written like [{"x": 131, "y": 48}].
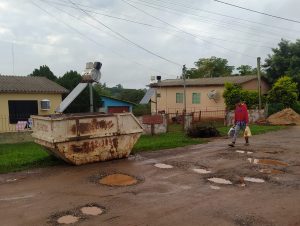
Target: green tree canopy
[
  {"x": 285, "y": 60},
  {"x": 284, "y": 91},
  {"x": 246, "y": 70},
  {"x": 44, "y": 71},
  {"x": 210, "y": 67}
]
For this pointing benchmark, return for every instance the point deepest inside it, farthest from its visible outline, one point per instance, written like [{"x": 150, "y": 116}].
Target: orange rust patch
[
  {"x": 272, "y": 162},
  {"x": 118, "y": 180},
  {"x": 83, "y": 128}
]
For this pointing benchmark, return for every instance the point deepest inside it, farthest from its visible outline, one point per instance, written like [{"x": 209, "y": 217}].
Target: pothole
[
  {"x": 267, "y": 162},
  {"x": 163, "y": 166},
  {"x": 219, "y": 180},
  {"x": 215, "y": 187},
  {"x": 91, "y": 210},
  {"x": 67, "y": 219},
  {"x": 271, "y": 171},
  {"x": 254, "y": 180},
  {"x": 202, "y": 171},
  {"x": 118, "y": 180}
]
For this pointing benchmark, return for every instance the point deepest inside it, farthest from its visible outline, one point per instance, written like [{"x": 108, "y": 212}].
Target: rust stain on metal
[
  {"x": 91, "y": 127},
  {"x": 152, "y": 119}
]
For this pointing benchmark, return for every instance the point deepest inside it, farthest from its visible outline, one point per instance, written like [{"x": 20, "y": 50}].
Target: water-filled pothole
[
  {"x": 91, "y": 210},
  {"x": 163, "y": 166},
  {"x": 254, "y": 180},
  {"x": 67, "y": 219},
  {"x": 202, "y": 171},
  {"x": 215, "y": 187},
  {"x": 219, "y": 180},
  {"x": 267, "y": 162},
  {"x": 118, "y": 179},
  {"x": 271, "y": 171}
]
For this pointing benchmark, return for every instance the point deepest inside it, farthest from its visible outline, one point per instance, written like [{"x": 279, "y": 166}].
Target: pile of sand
[{"x": 285, "y": 117}]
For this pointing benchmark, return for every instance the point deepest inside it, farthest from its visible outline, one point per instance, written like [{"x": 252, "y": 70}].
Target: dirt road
[{"x": 170, "y": 196}]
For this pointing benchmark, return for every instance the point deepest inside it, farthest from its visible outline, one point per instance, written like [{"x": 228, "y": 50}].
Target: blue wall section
[{"x": 108, "y": 102}]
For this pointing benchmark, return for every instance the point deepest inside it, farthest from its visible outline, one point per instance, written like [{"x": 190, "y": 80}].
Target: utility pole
[
  {"x": 259, "y": 83},
  {"x": 184, "y": 88},
  {"x": 91, "y": 97}
]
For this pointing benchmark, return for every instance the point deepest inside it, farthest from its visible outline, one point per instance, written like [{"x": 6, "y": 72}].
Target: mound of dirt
[{"x": 285, "y": 117}]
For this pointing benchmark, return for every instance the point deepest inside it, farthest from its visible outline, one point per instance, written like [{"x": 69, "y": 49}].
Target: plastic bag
[
  {"x": 247, "y": 132},
  {"x": 231, "y": 131}
]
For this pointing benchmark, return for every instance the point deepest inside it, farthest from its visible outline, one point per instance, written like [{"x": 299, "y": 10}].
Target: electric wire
[
  {"x": 90, "y": 39},
  {"x": 255, "y": 11},
  {"x": 124, "y": 37}
]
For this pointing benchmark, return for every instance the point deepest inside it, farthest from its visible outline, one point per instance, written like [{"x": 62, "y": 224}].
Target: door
[{"x": 117, "y": 109}]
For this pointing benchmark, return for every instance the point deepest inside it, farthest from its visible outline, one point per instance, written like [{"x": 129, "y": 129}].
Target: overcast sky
[{"x": 58, "y": 34}]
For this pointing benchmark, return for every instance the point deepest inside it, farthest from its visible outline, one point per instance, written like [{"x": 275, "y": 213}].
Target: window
[
  {"x": 20, "y": 110},
  {"x": 196, "y": 98},
  {"x": 45, "y": 104},
  {"x": 179, "y": 97}
]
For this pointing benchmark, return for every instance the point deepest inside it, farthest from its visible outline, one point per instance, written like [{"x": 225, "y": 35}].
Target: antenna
[{"x": 13, "y": 58}]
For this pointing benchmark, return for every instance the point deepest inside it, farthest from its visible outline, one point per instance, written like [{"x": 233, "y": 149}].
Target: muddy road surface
[{"x": 209, "y": 184}]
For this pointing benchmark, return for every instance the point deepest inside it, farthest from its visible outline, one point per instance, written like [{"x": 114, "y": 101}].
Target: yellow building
[
  {"x": 203, "y": 94},
  {"x": 22, "y": 96}
]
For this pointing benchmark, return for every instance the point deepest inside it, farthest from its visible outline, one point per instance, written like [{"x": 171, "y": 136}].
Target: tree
[
  {"x": 82, "y": 102},
  {"x": 210, "y": 67},
  {"x": 246, "y": 70},
  {"x": 285, "y": 60},
  {"x": 101, "y": 89},
  {"x": 284, "y": 91},
  {"x": 44, "y": 71}
]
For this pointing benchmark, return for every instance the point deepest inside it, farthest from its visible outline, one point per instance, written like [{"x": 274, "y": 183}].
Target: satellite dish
[{"x": 212, "y": 95}]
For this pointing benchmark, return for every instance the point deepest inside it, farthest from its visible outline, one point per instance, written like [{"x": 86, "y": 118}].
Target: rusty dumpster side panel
[{"x": 87, "y": 138}]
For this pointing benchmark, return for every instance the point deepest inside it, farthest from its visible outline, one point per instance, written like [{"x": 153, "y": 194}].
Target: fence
[
  {"x": 198, "y": 116},
  {"x": 14, "y": 123}
]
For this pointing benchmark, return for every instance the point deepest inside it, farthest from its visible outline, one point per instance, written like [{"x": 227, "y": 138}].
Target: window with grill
[
  {"x": 45, "y": 104},
  {"x": 196, "y": 98},
  {"x": 179, "y": 97}
]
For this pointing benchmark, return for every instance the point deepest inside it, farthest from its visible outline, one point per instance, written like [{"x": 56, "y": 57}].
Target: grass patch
[
  {"x": 255, "y": 129},
  {"x": 174, "y": 138},
  {"x": 22, "y": 156}
]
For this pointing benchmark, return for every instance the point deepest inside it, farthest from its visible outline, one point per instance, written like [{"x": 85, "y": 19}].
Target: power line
[
  {"x": 90, "y": 39},
  {"x": 161, "y": 28},
  {"x": 225, "y": 15},
  {"x": 255, "y": 11},
  {"x": 186, "y": 31},
  {"x": 158, "y": 7},
  {"x": 125, "y": 38}
]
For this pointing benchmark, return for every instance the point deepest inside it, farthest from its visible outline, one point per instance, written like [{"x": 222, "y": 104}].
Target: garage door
[{"x": 118, "y": 109}]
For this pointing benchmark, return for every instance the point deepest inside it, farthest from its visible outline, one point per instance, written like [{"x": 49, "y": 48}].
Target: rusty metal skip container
[{"x": 88, "y": 137}]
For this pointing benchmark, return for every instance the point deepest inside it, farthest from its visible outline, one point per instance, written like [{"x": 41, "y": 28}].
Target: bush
[
  {"x": 274, "y": 108},
  {"x": 141, "y": 109},
  {"x": 296, "y": 107},
  {"x": 284, "y": 91},
  {"x": 202, "y": 131},
  {"x": 232, "y": 92}
]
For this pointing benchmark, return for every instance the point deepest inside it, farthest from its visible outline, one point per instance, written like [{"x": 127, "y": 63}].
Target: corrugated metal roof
[
  {"x": 217, "y": 81},
  {"x": 29, "y": 84}
]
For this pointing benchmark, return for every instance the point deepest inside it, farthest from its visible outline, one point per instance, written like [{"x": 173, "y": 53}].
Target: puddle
[
  {"x": 254, "y": 180},
  {"x": 163, "y": 166},
  {"x": 267, "y": 162},
  {"x": 249, "y": 152},
  {"x": 67, "y": 219},
  {"x": 271, "y": 171},
  {"x": 118, "y": 180},
  {"x": 202, "y": 171},
  {"x": 239, "y": 151},
  {"x": 11, "y": 180},
  {"x": 215, "y": 187},
  {"x": 219, "y": 180},
  {"x": 91, "y": 210}
]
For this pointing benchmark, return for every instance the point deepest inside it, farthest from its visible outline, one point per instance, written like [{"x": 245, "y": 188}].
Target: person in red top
[{"x": 241, "y": 120}]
